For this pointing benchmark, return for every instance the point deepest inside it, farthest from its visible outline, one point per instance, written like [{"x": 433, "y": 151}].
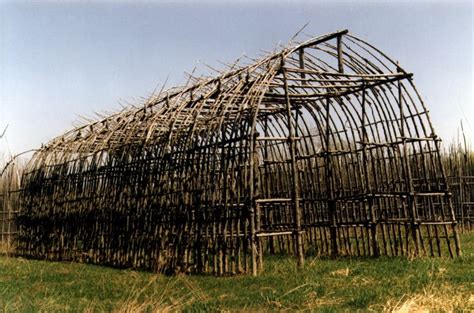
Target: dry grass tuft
[
  {"x": 155, "y": 297},
  {"x": 6, "y": 248},
  {"x": 440, "y": 298},
  {"x": 342, "y": 272}
]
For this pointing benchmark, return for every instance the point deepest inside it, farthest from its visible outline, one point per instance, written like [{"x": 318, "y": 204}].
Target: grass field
[{"x": 382, "y": 284}]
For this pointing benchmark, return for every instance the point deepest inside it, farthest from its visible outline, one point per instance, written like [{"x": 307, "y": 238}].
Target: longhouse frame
[{"x": 324, "y": 147}]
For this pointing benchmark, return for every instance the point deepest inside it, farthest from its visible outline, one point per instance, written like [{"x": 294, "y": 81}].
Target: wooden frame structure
[{"x": 324, "y": 147}]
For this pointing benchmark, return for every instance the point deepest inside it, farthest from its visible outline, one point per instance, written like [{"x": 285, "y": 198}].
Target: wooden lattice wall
[
  {"x": 459, "y": 164},
  {"x": 324, "y": 147}
]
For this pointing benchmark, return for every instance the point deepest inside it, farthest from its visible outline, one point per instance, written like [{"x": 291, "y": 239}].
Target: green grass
[{"x": 324, "y": 285}]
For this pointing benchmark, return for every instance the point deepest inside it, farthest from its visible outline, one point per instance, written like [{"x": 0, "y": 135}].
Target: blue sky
[{"x": 61, "y": 60}]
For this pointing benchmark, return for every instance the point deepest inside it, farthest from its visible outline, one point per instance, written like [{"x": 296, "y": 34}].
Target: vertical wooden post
[
  {"x": 409, "y": 177},
  {"x": 253, "y": 185},
  {"x": 373, "y": 221},
  {"x": 461, "y": 193},
  {"x": 266, "y": 184},
  {"x": 369, "y": 203},
  {"x": 462, "y": 164},
  {"x": 329, "y": 190},
  {"x": 258, "y": 213},
  {"x": 6, "y": 215},
  {"x": 2, "y": 218},
  {"x": 462, "y": 197},
  {"x": 258, "y": 216},
  {"x": 457, "y": 243},
  {"x": 340, "y": 59},
  {"x": 448, "y": 199},
  {"x": 252, "y": 205},
  {"x": 294, "y": 171},
  {"x": 302, "y": 74}
]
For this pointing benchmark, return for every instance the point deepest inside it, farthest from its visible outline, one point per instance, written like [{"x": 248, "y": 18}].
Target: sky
[{"x": 62, "y": 60}]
